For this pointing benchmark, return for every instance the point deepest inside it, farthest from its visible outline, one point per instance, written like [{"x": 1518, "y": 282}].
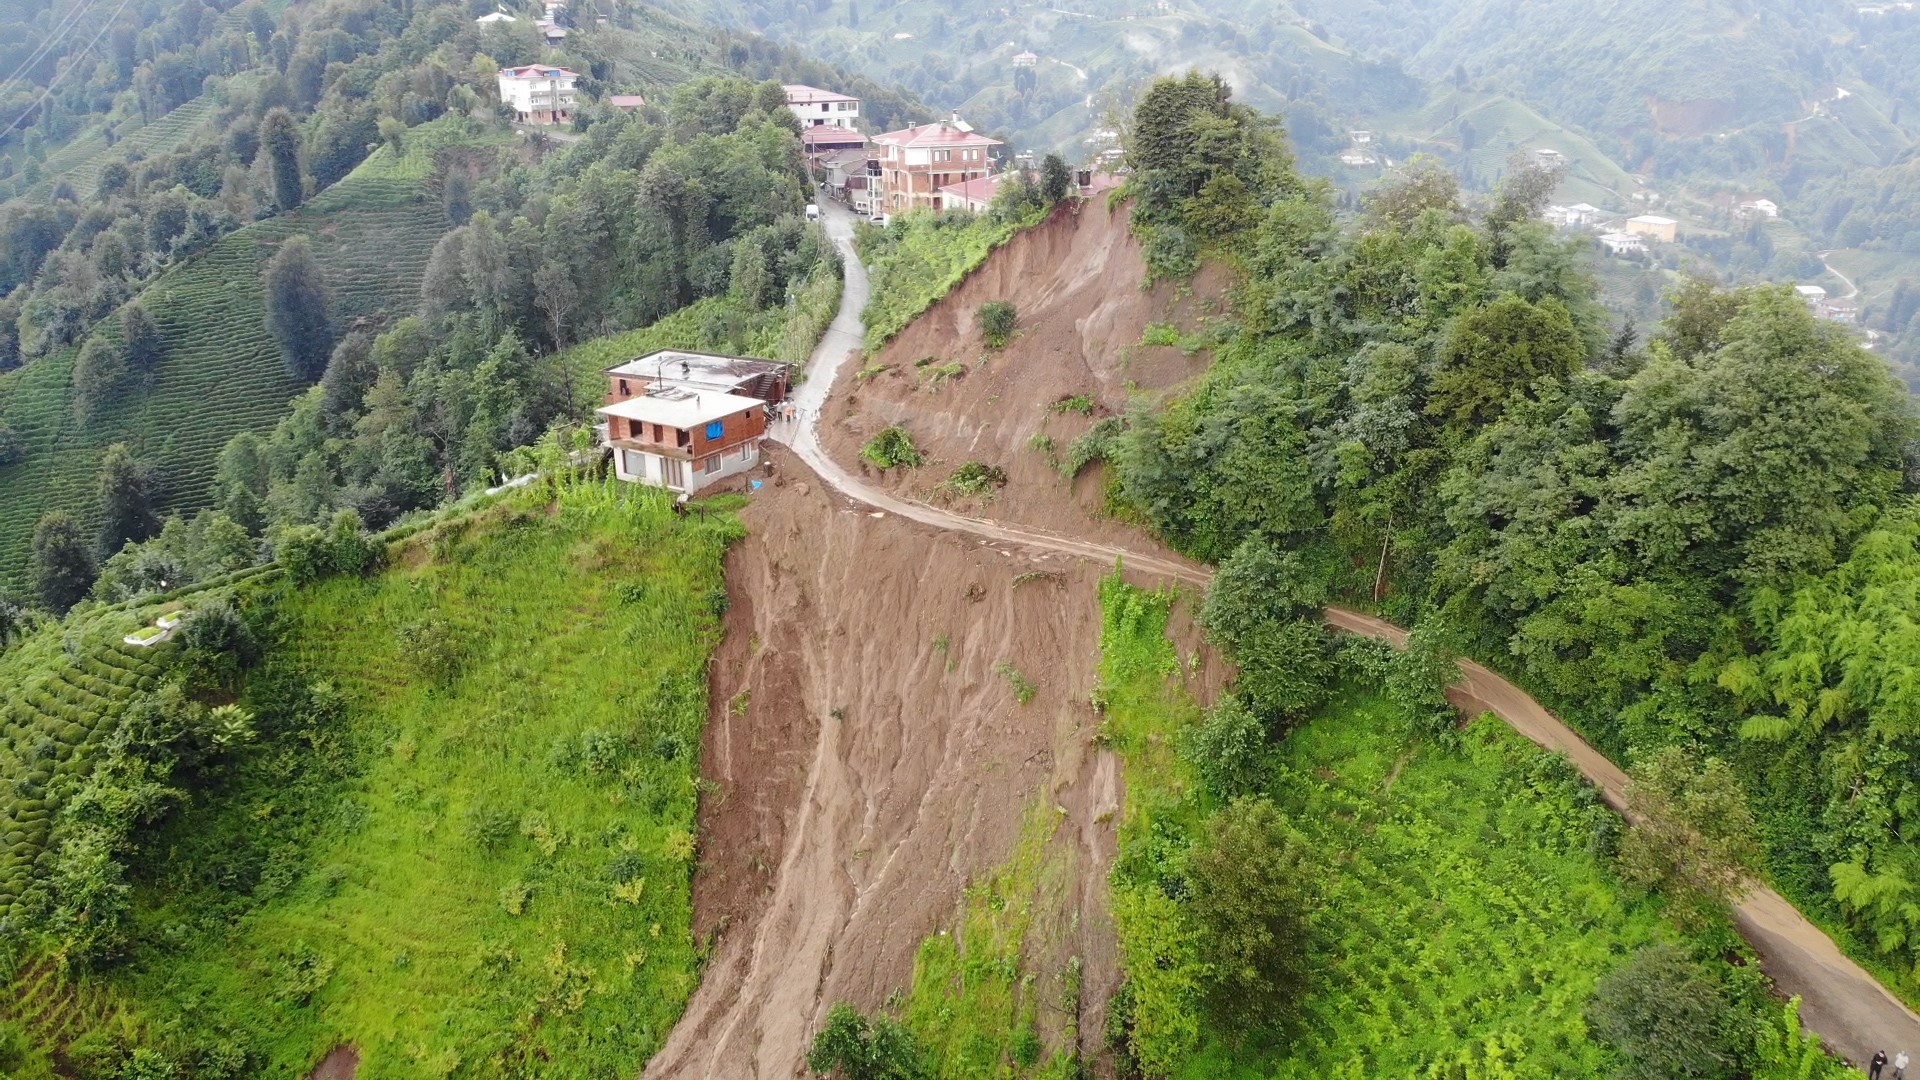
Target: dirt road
[{"x": 1850, "y": 1010}]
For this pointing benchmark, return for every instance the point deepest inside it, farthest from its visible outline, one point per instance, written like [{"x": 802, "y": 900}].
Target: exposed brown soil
[
  {"x": 867, "y": 760},
  {"x": 341, "y": 1063},
  {"x": 1076, "y": 284}
]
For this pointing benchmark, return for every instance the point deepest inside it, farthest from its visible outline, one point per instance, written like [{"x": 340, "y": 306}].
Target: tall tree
[
  {"x": 280, "y": 138},
  {"x": 1251, "y": 895},
  {"x": 298, "y": 309},
  {"x": 63, "y": 567},
  {"x": 142, "y": 334},
  {"x": 1055, "y": 180},
  {"x": 99, "y": 375},
  {"x": 125, "y": 489},
  {"x": 1694, "y": 837}
]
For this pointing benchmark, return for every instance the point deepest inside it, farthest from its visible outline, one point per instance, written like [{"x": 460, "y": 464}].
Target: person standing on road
[
  {"x": 1879, "y": 1062},
  {"x": 1900, "y": 1066}
]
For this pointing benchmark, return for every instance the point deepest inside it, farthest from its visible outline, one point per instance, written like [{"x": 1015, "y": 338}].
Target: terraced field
[
  {"x": 372, "y": 234},
  {"x": 56, "y": 703},
  {"x": 79, "y": 161}
]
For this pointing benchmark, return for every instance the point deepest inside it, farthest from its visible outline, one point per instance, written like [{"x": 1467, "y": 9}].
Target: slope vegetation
[
  {"x": 462, "y": 843},
  {"x": 372, "y": 233}
]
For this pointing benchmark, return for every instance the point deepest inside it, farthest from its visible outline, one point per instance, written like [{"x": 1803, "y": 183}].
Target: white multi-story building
[
  {"x": 822, "y": 108},
  {"x": 539, "y": 94}
]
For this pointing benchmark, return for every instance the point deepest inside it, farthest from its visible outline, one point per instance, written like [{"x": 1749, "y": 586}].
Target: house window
[
  {"x": 673, "y": 472},
  {"x": 710, "y": 463},
  {"x": 634, "y": 464},
  {"x": 943, "y": 155},
  {"x": 716, "y": 429},
  {"x": 623, "y": 388}
]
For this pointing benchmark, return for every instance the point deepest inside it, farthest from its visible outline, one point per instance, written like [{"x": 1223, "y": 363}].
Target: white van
[{"x": 813, "y": 212}]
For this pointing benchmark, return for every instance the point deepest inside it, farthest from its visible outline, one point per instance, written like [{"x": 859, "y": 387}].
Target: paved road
[{"x": 1850, "y": 1010}]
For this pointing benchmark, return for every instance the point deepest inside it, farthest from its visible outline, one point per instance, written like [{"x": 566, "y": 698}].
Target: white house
[
  {"x": 1549, "y": 158},
  {"x": 822, "y": 108},
  {"x": 1619, "y": 243},
  {"x": 1766, "y": 208},
  {"x": 539, "y": 94},
  {"x": 1025, "y": 59},
  {"x": 492, "y": 17},
  {"x": 1812, "y": 294}
]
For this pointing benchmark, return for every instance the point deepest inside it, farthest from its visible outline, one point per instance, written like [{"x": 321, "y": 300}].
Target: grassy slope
[
  {"x": 575, "y": 723},
  {"x": 1464, "y": 918},
  {"x": 920, "y": 258},
  {"x": 60, "y": 691},
  {"x": 372, "y": 233}
]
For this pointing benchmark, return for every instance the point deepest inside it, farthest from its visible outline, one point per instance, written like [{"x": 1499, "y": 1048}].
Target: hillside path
[{"x": 1850, "y": 1010}]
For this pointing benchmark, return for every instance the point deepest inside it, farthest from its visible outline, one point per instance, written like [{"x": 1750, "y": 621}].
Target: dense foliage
[
  {"x": 246, "y": 880},
  {"x": 1441, "y": 900},
  {"x": 1697, "y": 543}
]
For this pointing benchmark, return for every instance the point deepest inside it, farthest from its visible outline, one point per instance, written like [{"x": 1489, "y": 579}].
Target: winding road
[{"x": 1851, "y": 1011}]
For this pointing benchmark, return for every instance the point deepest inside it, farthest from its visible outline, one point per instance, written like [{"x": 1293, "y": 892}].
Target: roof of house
[
  {"x": 678, "y": 364},
  {"x": 538, "y": 71},
  {"x": 976, "y": 190},
  {"x": 626, "y": 101},
  {"x": 1809, "y": 290},
  {"x": 496, "y": 17},
  {"x": 1653, "y": 219},
  {"x": 833, "y": 136},
  {"x": 1027, "y": 55},
  {"x": 680, "y": 407},
  {"x": 1619, "y": 238},
  {"x": 1584, "y": 208},
  {"x": 850, "y": 157},
  {"x": 944, "y": 133},
  {"x": 801, "y": 94}
]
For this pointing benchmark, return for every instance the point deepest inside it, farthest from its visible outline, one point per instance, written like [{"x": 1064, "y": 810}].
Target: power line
[
  {"x": 65, "y": 26},
  {"x": 55, "y": 81}
]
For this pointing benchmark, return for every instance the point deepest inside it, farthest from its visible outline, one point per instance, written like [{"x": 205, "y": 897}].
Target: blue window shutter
[{"x": 716, "y": 429}]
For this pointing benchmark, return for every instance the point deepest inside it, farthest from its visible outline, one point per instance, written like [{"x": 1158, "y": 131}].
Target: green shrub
[
  {"x": 997, "y": 320},
  {"x": 851, "y": 1047},
  {"x": 976, "y": 478},
  {"x": 1666, "y": 1017},
  {"x": 892, "y": 448},
  {"x": 1024, "y": 689},
  {"x": 1228, "y": 749},
  {"x": 1077, "y": 403}
]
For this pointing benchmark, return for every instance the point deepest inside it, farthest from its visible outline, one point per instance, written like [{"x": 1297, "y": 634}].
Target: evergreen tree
[
  {"x": 144, "y": 348},
  {"x": 63, "y": 567},
  {"x": 280, "y": 138},
  {"x": 125, "y": 489},
  {"x": 298, "y": 309},
  {"x": 1055, "y": 180},
  {"x": 99, "y": 374}
]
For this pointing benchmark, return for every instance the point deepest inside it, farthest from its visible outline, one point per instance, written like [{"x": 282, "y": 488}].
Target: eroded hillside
[{"x": 869, "y": 755}]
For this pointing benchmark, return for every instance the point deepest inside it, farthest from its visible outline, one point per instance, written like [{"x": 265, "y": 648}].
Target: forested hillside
[
  {"x": 144, "y": 321},
  {"x": 1696, "y": 546}
]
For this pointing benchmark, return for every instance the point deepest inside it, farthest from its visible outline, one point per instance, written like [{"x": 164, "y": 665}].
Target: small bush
[
  {"x": 1160, "y": 334},
  {"x": 1023, "y": 688},
  {"x": 1078, "y": 403},
  {"x": 997, "y": 318},
  {"x": 893, "y": 448},
  {"x": 976, "y": 478}
]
